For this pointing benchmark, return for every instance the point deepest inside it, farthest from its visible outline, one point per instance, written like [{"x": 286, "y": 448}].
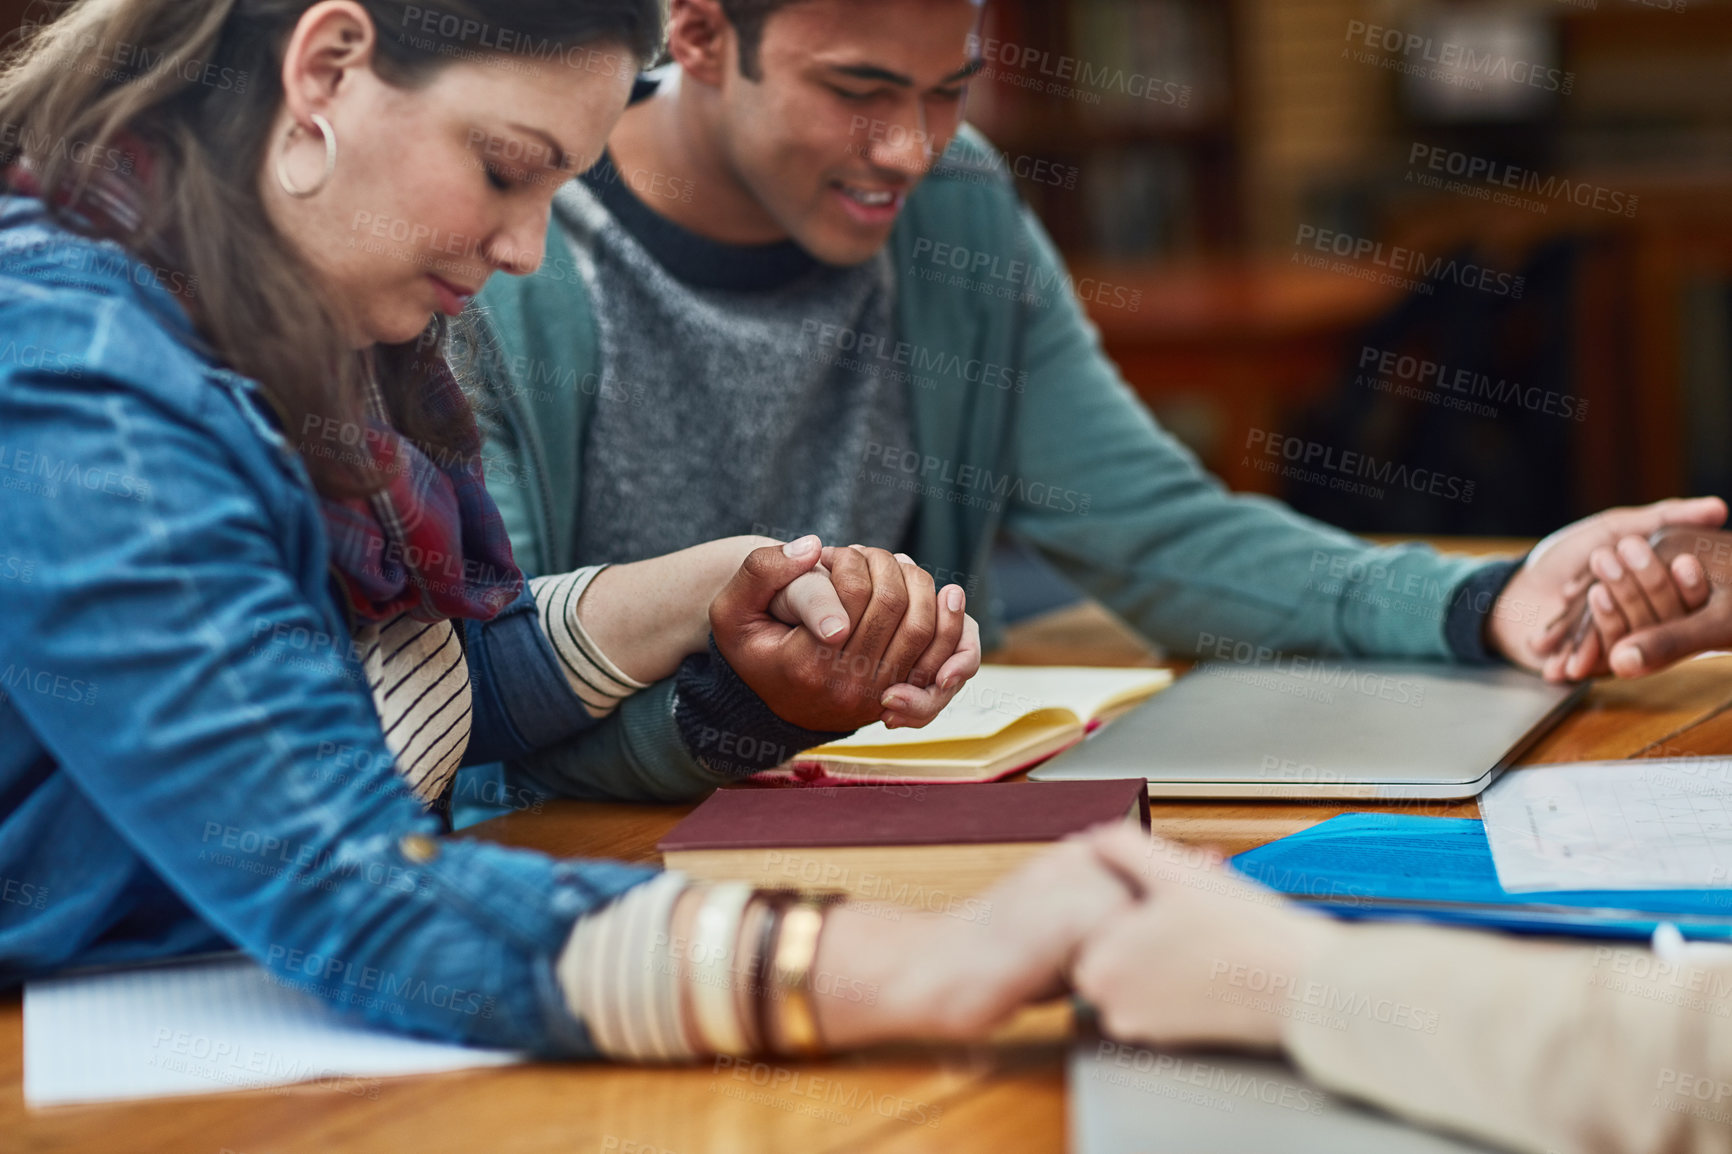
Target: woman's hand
[
  {"x": 650, "y": 615},
  {"x": 958, "y": 975},
  {"x": 1204, "y": 957}
]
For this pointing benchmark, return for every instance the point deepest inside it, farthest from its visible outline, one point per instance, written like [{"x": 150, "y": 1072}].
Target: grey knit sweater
[{"x": 730, "y": 401}]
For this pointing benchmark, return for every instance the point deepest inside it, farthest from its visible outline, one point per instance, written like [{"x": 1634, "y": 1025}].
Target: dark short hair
[{"x": 747, "y": 17}]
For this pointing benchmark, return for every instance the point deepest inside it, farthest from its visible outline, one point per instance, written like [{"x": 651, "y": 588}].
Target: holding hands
[
  {"x": 1152, "y": 933},
  {"x": 834, "y": 639},
  {"x": 1645, "y": 604},
  {"x": 1642, "y": 576},
  {"x": 1170, "y": 970}
]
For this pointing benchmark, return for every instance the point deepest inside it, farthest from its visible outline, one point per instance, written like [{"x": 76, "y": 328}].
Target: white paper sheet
[
  {"x": 1612, "y": 825},
  {"x": 205, "y": 1027}
]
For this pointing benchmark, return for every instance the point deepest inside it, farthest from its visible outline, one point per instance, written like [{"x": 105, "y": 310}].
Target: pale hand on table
[
  {"x": 1204, "y": 957},
  {"x": 957, "y": 976}
]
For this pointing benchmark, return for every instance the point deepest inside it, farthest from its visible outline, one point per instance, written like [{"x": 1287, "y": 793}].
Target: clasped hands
[
  {"x": 836, "y": 638},
  {"x": 1655, "y": 581},
  {"x": 1159, "y": 937}
]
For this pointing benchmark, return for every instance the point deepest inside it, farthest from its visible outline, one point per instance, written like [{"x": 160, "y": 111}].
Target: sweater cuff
[
  {"x": 620, "y": 973},
  {"x": 1471, "y": 608},
  {"x": 727, "y": 727}
]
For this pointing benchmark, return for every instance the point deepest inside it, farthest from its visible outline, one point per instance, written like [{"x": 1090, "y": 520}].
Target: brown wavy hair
[{"x": 199, "y": 82}]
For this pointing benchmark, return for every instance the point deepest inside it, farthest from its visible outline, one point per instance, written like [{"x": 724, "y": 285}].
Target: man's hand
[
  {"x": 1557, "y": 571},
  {"x": 1639, "y": 629},
  {"x": 894, "y": 633},
  {"x": 952, "y": 653}
]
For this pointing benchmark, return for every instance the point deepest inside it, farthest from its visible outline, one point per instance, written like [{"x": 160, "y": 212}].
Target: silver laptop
[
  {"x": 1129, "y": 1100},
  {"x": 1323, "y": 729}
]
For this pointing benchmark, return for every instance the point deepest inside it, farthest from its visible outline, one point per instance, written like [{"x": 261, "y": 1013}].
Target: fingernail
[
  {"x": 1627, "y": 660},
  {"x": 949, "y": 683},
  {"x": 954, "y": 599},
  {"x": 831, "y": 626},
  {"x": 893, "y": 701},
  {"x": 905, "y": 558},
  {"x": 1602, "y": 600},
  {"x": 1634, "y": 553},
  {"x": 804, "y": 547},
  {"x": 1609, "y": 567}
]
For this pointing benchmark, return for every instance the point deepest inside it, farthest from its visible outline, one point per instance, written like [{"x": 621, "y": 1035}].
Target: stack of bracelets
[{"x": 765, "y": 1003}]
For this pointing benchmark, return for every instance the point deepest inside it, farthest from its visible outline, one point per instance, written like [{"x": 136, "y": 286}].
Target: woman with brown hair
[{"x": 258, "y": 606}]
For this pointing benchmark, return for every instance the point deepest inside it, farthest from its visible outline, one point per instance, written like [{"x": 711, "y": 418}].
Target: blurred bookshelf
[
  {"x": 1199, "y": 200},
  {"x": 1132, "y": 101}
]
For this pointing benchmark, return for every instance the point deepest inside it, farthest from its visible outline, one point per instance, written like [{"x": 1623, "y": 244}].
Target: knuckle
[
  {"x": 894, "y": 600},
  {"x": 759, "y": 562},
  {"x": 852, "y": 586}
]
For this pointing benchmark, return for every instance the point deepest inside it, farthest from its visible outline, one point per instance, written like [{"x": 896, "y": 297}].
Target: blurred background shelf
[{"x": 1285, "y": 121}]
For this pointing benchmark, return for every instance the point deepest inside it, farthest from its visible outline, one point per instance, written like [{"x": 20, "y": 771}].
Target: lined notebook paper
[{"x": 202, "y": 1028}]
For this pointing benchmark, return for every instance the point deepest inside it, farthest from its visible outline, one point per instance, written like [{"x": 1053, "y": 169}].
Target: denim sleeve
[
  {"x": 166, "y": 595},
  {"x": 523, "y": 701}
]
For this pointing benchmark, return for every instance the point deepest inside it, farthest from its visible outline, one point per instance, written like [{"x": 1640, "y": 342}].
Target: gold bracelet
[{"x": 795, "y": 952}]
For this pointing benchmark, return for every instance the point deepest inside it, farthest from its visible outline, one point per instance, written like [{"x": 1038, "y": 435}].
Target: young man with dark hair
[{"x": 798, "y": 295}]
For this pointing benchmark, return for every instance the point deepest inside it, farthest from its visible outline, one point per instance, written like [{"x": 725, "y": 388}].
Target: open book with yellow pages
[{"x": 1007, "y": 718}]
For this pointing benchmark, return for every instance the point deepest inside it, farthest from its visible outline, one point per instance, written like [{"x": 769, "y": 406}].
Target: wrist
[
  {"x": 870, "y": 992},
  {"x": 1314, "y": 937},
  {"x": 717, "y": 562},
  {"x": 1481, "y": 623},
  {"x": 728, "y": 728}
]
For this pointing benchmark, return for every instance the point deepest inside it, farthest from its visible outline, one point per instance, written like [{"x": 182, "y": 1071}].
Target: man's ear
[
  {"x": 331, "y": 40},
  {"x": 701, "y": 40}
]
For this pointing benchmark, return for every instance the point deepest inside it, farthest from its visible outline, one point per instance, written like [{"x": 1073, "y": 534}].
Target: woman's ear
[{"x": 331, "y": 40}]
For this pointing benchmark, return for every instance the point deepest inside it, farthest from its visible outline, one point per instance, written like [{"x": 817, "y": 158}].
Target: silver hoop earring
[{"x": 329, "y": 135}]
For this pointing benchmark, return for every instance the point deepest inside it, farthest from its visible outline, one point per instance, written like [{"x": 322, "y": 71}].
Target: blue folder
[{"x": 1387, "y": 866}]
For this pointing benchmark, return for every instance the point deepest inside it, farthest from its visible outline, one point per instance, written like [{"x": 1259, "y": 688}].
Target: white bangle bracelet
[{"x": 714, "y": 935}]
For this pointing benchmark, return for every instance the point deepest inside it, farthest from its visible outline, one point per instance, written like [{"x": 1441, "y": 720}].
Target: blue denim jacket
[{"x": 189, "y": 757}]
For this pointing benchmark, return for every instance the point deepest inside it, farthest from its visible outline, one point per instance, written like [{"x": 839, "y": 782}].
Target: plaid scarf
[{"x": 431, "y": 542}]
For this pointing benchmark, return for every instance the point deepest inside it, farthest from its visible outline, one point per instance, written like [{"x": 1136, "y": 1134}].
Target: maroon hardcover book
[{"x": 968, "y": 814}]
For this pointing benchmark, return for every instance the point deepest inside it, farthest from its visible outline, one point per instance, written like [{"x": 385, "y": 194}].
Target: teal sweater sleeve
[{"x": 1129, "y": 515}]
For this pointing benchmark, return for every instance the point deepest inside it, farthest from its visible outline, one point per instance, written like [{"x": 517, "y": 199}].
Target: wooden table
[{"x": 1005, "y": 1097}]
